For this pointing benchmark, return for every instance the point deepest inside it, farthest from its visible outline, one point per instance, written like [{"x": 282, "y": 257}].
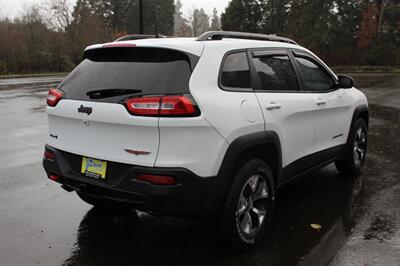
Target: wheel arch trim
[
  {"x": 236, "y": 149},
  {"x": 359, "y": 112}
]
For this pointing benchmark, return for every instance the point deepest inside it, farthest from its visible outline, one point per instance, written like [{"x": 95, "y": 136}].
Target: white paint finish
[
  {"x": 333, "y": 113},
  {"x": 223, "y": 108},
  {"x": 191, "y": 143},
  {"x": 291, "y": 116},
  {"x": 111, "y": 130},
  {"x": 199, "y": 144},
  {"x": 249, "y": 112},
  {"x": 188, "y": 45}
]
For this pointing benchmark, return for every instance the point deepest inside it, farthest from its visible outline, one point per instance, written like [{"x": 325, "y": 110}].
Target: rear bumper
[{"x": 190, "y": 197}]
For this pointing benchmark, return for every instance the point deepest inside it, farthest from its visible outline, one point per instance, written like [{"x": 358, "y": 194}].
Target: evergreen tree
[
  {"x": 120, "y": 15},
  {"x": 164, "y": 10},
  {"x": 274, "y": 16},
  {"x": 200, "y": 21},
  {"x": 242, "y": 15},
  {"x": 179, "y": 20},
  {"x": 215, "y": 21}
]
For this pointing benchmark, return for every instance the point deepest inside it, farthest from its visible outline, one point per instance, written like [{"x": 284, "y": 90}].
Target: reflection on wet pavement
[
  {"x": 375, "y": 238},
  {"x": 116, "y": 237}
]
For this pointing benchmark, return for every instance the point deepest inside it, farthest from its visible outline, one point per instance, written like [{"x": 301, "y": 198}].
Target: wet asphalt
[{"x": 41, "y": 224}]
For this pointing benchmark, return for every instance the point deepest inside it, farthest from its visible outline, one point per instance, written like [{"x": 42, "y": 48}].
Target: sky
[{"x": 12, "y": 8}]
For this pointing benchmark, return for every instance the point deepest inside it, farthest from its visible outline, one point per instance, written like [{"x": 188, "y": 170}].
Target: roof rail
[
  {"x": 219, "y": 35},
  {"x": 132, "y": 37}
]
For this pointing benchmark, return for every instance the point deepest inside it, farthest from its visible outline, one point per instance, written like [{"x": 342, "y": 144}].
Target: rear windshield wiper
[{"x": 107, "y": 93}]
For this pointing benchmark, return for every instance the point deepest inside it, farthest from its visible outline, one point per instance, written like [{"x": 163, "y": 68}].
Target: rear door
[
  {"x": 101, "y": 84},
  {"x": 287, "y": 110}
]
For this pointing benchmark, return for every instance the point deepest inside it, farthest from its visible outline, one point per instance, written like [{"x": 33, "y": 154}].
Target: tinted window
[
  {"x": 236, "y": 71},
  {"x": 315, "y": 77},
  {"x": 120, "y": 71},
  {"x": 276, "y": 73}
]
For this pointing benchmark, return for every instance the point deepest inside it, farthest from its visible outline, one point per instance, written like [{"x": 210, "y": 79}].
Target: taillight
[
  {"x": 157, "y": 179},
  {"x": 176, "y": 105},
  {"x": 54, "y": 97},
  {"x": 148, "y": 106}
]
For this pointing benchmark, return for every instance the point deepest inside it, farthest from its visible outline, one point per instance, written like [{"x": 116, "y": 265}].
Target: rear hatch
[{"x": 92, "y": 118}]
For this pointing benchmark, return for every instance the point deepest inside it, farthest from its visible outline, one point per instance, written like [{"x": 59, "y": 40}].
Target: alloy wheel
[
  {"x": 252, "y": 205},
  {"x": 360, "y": 147}
]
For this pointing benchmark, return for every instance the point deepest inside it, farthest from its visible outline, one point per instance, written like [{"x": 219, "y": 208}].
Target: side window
[
  {"x": 236, "y": 71},
  {"x": 276, "y": 73},
  {"x": 315, "y": 77}
]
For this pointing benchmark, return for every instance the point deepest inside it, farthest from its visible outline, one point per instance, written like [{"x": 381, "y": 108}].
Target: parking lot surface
[{"x": 40, "y": 224}]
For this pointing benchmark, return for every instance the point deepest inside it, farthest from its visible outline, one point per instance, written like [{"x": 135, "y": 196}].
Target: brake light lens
[
  {"x": 176, "y": 105},
  {"x": 54, "y": 97},
  {"x": 157, "y": 179}
]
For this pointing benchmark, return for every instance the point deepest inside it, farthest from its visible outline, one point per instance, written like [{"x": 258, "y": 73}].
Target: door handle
[
  {"x": 273, "y": 106},
  {"x": 321, "y": 102}
]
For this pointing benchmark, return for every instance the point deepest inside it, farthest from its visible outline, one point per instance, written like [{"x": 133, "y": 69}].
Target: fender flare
[
  {"x": 242, "y": 143},
  {"x": 227, "y": 169},
  {"x": 357, "y": 111}
]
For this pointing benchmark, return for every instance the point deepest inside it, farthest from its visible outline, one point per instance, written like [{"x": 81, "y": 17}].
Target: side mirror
[{"x": 345, "y": 82}]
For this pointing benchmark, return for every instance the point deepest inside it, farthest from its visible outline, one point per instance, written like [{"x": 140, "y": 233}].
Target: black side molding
[{"x": 310, "y": 162}]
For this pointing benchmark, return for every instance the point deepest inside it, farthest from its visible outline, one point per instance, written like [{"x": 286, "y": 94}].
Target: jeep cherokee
[{"x": 201, "y": 127}]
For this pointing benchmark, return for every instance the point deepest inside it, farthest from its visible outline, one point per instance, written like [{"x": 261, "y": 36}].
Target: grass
[{"x": 35, "y": 75}]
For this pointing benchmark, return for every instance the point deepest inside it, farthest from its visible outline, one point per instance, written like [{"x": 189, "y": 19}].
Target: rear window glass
[
  {"x": 236, "y": 71},
  {"x": 118, "y": 72}
]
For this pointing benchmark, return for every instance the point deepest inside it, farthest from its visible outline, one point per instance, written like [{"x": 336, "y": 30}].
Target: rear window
[{"x": 113, "y": 74}]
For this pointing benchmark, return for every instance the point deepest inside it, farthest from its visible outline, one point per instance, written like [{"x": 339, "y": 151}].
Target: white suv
[{"x": 200, "y": 127}]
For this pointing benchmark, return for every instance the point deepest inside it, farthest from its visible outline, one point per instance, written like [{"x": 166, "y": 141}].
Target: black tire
[
  {"x": 234, "y": 216},
  {"x": 92, "y": 200},
  {"x": 355, "y": 151}
]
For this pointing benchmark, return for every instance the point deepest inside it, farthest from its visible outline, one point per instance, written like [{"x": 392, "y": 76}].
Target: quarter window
[
  {"x": 315, "y": 77},
  {"x": 236, "y": 71},
  {"x": 276, "y": 73}
]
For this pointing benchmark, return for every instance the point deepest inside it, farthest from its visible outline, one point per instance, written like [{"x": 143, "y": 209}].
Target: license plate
[{"x": 94, "y": 168}]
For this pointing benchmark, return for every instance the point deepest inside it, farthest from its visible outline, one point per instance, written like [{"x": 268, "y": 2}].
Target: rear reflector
[
  {"x": 54, "y": 97},
  {"x": 54, "y": 177},
  {"x": 176, "y": 105},
  {"x": 48, "y": 155},
  {"x": 156, "y": 179}
]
